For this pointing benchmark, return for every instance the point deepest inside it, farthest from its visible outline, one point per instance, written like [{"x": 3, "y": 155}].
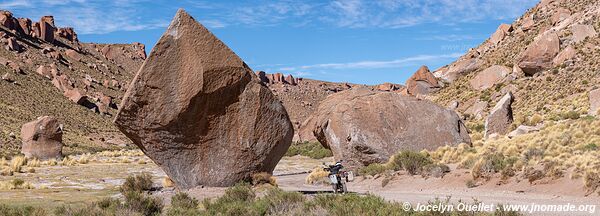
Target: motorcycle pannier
[{"x": 333, "y": 179}]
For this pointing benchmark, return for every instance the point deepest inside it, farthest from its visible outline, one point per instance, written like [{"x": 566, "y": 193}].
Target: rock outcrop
[
  {"x": 501, "y": 117},
  {"x": 200, "y": 113},
  {"x": 362, "y": 126},
  {"x": 422, "y": 82},
  {"x": 42, "y": 138},
  {"x": 540, "y": 53},
  {"x": 277, "y": 78},
  {"x": 47, "y": 29}
]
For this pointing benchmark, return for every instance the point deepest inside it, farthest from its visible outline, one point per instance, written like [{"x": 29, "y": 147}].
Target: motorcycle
[{"x": 339, "y": 179}]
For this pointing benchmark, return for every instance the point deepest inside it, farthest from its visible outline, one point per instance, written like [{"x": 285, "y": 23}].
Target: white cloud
[
  {"x": 95, "y": 16},
  {"x": 408, "y": 61},
  {"x": 14, "y": 4}
]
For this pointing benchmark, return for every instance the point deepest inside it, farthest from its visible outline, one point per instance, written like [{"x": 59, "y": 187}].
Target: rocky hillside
[
  {"x": 46, "y": 70},
  {"x": 548, "y": 59}
]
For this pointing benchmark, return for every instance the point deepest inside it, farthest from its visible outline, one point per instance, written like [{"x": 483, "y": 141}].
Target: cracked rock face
[
  {"x": 200, "y": 113},
  {"x": 362, "y": 126}
]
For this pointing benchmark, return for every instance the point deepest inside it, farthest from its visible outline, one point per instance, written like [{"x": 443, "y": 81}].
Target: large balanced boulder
[
  {"x": 200, "y": 113},
  {"x": 540, "y": 53},
  {"x": 362, "y": 126},
  {"x": 501, "y": 117},
  {"x": 42, "y": 138}
]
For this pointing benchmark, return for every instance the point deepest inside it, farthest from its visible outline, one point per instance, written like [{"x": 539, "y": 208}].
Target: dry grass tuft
[
  {"x": 591, "y": 181},
  {"x": 17, "y": 163},
  {"x": 263, "y": 178},
  {"x": 317, "y": 176},
  {"x": 15, "y": 184},
  {"x": 33, "y": 162},
  {"x": 6, "y": 171},
  {"x": 167, "y": 182}
]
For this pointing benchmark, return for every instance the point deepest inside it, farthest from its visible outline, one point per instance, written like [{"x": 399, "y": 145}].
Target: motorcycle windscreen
[{"x": 333, "y": 179}]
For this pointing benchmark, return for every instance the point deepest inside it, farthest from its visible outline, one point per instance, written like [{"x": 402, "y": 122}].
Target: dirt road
[{"x": 417, "y": 190}]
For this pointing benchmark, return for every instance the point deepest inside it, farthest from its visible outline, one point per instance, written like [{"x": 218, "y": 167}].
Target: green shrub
[
  {"x": 138, "y": 183},
  {"x": 352, "y": 204},
  {"x": 309, "y": 149},
  {"x": 590, "y": 147},
  {"x": 6, "y": 210},
  {"x": 411, "y": 161},
  {"x": 143, "y": 203},
  {"x": 373, "y": 169},
  {"x": 183, "y": 200},
  {"x": 570, "y": 115}
]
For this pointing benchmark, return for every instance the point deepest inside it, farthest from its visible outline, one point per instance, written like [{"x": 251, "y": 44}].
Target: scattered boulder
[
  {"x": 594, "y": 98},
  {"x": 459, "y": 69},
  {"x": 540, "y": 53},
  {"x": 363, "y": 126},
  {"x": 140, "y": 50},
  {"x": 559, "y": 15},
  {"x": 75, "y": 95},
  {"x": 216, "y": 124},
  {"x": 42, "y": 138},
  {"x": 13, "y": 45},
  {"x": 528, "y": 23},
  {"x": 390, "y": 87},
  {"x": 422, "y": 82},
  {"x": 73, "y": 55},
  {"x": 522, "y": 130},
  {"x": 581, "y": 32},
  {"x": 502, "y": 31},
  {"x": 8, "y": 78},
  {"x": 489, "y": 77},
  {"x": 567, "y": 54},
  {"x": 477, "y": 109},
  {"x": 45, "y": 71},
  {"x": 453, "y": 105},
  {"x": 501, "y": 117},
  {"x": 62, "y": 83}
]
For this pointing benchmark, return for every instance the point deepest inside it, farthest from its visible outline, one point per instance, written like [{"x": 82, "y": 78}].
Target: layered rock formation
[
  {"x": 39, "y": 78},
  {"x": 200, "y": 112},
  {"x": 362, "y": 126}
]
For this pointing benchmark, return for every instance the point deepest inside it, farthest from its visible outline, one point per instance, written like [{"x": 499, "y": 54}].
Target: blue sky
[{"x": 357, "y": 41}]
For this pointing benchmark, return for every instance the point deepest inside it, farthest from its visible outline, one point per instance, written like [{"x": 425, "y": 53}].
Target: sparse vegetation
[
  {"x": 548, "y": 153},
  {"x": 138, "y": 183},
  {"x": 310, "y": 149},
  {"x": 263, "y": 178},
  {"x": 317, "y": 176},
  {"x": 167, "y": 182}
]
